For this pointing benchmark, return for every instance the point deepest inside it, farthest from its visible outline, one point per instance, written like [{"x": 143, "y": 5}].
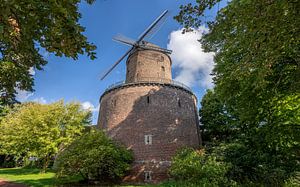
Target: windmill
[
  {"x": 149, "y": 113},
  {"x": 140, "y": 42}
]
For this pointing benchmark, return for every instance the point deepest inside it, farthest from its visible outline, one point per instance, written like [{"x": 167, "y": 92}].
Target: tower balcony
[{"x": 149, "y": 81}]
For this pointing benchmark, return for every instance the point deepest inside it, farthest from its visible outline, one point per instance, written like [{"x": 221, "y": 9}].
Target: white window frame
[
  {"x": 148, "y": 139},
  {"x": 147, "y": 175}
]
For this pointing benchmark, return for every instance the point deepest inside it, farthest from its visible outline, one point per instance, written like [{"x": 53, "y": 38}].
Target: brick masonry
[
  {"x": 148, "y": 65},
  {"x": 167, "y": 113}
]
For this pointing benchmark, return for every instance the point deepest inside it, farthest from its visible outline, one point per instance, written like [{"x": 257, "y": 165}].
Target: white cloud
[
  {"x": 89, "y": 106},
  {"x": 41, "y": 100},
  {"x": 194, "y": 65},
  {"x": 23, "y": 95}
]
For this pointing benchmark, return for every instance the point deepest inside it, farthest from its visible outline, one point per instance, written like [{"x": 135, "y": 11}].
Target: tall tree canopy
[
  {"x": 27, "y": 26},
  {"x": 257, "y": 55},
  {"x": 219, "y": 124},
  {"x": 257, "y": 76},
  {"x": 33, "y": 129}
]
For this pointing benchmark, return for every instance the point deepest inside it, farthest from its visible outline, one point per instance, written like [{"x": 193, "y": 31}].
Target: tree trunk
[{"x": 46, "y": 163}]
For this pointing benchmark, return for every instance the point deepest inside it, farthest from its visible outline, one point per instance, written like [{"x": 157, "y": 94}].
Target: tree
[
  {"x": 197, "y": 167},
  {"x": 257, "y": 76},
  {"x": 95, "y": 157},
  {"x": 219, "y": 124},
  {"x": 38, "y": 130},
  {"x": 26, "y": 27},
  {"x": 257, "y": 57}
]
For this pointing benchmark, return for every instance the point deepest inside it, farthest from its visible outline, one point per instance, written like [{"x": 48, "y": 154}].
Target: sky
[{"x": 79, "y": 80}]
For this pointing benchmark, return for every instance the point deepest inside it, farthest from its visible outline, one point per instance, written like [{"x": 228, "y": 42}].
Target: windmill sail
[
  {"x": 139, "y": 43},
  {"x": 116, "y": 63},
  {"x": 152, "y": 26},
  {"x": 125, "y": 40}
]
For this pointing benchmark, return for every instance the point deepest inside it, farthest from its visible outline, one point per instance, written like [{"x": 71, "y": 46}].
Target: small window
[
  {"x": 179, "y": 103},
  {"x": 148, "y": 139},
  {"x": 148, "y": 99},
  {"x": 148, "y": 175},
  {"x": 163, "y": 68},
  {"x": 160, "y": 59},
  {"x": 114, "y": 102}
]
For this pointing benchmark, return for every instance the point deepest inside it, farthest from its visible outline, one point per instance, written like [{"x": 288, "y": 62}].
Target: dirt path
[{"x": 4, "y": 183}]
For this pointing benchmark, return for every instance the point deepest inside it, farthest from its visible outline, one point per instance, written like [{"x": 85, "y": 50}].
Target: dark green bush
[
  {"x": 250, "y": 165},
  {"x": 95, "y": 157},
  {"x": 199, "y": 168},
  {"x": 7, "y": 161}
]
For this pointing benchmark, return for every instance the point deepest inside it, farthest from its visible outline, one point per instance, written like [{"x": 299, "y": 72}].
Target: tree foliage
[
  {"x": 38, "y": 130},
  {"x": 198, "y": 167},
  {"x": 256, "y": 45},
  {"x": 26, "y": 27},
  {"x": 95, "y": 157},
  {"x": 218, "y": 122}
]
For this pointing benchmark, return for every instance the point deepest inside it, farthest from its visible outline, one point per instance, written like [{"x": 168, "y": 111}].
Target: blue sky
[{"x": 70, "y": 80}]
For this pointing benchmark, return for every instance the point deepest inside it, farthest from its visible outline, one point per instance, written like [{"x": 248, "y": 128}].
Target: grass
[
  {"x": 33, "y": 177},
  {"x": 30, "y": 177}
]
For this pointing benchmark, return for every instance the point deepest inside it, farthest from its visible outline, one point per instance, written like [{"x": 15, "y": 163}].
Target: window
[
  {"x": 147, "y": 175},
  {"x": 163, "y": 68},
  {"x": 148, "y": 99},
  {"x": 179, "y": 103},
  {"x": 148, "y": 139},
  {"x": 114, "y": 102},
  {"x": 160, "y": 59}
]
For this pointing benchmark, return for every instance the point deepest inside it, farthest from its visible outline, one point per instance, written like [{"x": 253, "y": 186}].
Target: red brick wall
[
  {"x": 145, "y": 65},
  {"x": 127, "y": 117}
]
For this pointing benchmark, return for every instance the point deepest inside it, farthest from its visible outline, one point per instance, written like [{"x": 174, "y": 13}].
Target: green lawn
[
  {"x": 30, "y": 177},
  {"x": 33, "y": 177}
]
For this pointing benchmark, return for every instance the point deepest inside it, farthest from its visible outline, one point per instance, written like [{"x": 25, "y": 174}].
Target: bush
[
  {"x": 250, "y": 165},
  {"x": 95, "y": 157},
  {"x": 199, "y": 168},
  {"x": 7, "y": 161}
]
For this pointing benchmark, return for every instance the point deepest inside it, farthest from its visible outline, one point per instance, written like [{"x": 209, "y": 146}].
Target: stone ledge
[{"x": 126, "y": 85}]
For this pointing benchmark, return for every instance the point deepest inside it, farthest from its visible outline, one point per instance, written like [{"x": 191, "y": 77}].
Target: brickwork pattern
[
  {"x": 166, "y": 113},
  {"x": 146, "y": 64}
]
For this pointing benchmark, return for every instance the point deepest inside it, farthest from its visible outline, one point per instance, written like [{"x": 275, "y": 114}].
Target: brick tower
[{"x": 150, "y": 114}]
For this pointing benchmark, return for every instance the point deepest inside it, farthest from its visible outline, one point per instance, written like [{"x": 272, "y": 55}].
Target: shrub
[
  {"x": 95, "y": 157},
  {"x": 197, "y": 167}
]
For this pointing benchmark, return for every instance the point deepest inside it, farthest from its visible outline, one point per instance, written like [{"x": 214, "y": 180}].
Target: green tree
[
  {"x": 200, "y": 168},
  {"x": 219, "y": 124},
  {"x": 257, "y": 76},
  {"x": 95, "y": 157},
  {"x": 26, "y": 27},
  {"x": 38, "y": 130},
  {"x": 257, "y": 51},
  {"x": 257, "y": 59}
]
